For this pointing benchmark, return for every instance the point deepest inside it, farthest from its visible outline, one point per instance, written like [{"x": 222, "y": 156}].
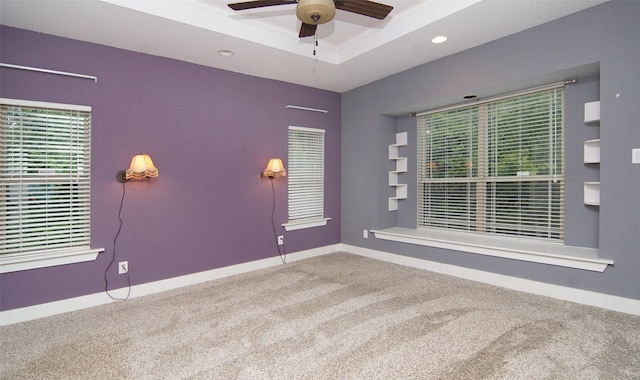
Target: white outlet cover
[
  {"x": 635, "y": 156},
  {"x": 122, "y": 264}
]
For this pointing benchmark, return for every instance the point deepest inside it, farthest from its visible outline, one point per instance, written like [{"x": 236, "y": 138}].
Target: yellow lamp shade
[
  {"x": 275, "y": 168},
  {"x": 141, "y": 167}
]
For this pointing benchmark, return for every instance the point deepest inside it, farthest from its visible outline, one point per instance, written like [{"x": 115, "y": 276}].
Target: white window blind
[
  {"x": 305, "y": 174},
  {"x": 495, "y": 167},
  {"x": 45, "y": 167}
]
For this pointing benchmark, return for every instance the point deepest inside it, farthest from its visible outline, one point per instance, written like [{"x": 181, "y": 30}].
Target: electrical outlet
[
  {"x": 123, "y": 267},
  {"x": 365, "y": 234},
  {"x": 280, "y": 240}
]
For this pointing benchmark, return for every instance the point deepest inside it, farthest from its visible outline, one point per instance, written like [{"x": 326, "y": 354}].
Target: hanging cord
[
  {"x": 113, "y": 258},
  {"x": 283, "y": 256},
  {"x": 315, "y": 43}
]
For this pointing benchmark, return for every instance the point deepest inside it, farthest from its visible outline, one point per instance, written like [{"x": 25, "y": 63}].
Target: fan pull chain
[{"x": 315, "y": 43}]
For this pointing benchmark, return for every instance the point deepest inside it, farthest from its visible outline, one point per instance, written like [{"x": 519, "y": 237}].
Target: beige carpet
[{"x": 338, "y": 316}]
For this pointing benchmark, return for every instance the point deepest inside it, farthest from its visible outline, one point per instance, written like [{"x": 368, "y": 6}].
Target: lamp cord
[
  {"x": 113, "y": 258},
  {"x": 283, "y": 256}
]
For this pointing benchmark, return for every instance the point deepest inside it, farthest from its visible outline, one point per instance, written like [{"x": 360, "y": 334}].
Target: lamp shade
[
  {"x": 275, "y": 168},
  {"x": 141, "y": 167}
]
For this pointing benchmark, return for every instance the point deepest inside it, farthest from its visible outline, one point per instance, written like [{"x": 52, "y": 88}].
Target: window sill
[
  {"x": 299, "y": 225},
  {"x": 505, "y": 247},
  {"x": 19, "y": 262}
]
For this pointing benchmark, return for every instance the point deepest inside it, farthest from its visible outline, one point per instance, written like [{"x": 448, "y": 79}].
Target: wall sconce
[
  {"x": 141, "y": 167},
  {"x": 275, "y": 168}
]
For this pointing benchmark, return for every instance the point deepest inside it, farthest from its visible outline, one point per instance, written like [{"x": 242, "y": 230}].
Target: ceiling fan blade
[
  {"x": 259, "y": 4},
  {"x": 307, "y": 30},
  {"x": 365, "y": 8}
]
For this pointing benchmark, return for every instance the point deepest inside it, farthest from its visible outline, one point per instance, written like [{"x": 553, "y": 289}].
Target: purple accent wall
[{"x": 209, "y": 131}]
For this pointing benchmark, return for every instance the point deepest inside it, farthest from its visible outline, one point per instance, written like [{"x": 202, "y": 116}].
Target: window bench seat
[{"x": 498, "y": 246}]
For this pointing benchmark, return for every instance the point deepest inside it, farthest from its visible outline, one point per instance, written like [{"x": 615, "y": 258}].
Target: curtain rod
[
  {"x": 10, "y": 66},
  {"x": 307, "y": 109},
  {"x": 498, "y": 97}
]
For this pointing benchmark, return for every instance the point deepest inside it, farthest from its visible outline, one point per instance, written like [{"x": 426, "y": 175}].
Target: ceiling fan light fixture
[{"x": 315, "y": 12}]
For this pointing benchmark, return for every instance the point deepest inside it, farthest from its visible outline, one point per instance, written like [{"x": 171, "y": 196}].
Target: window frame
[
  {"x": 298, "y": 218},
  {"x": 508, "y": 247},
  {"x": 477, "y": 209},
  {"x": 47, "y": 257}
]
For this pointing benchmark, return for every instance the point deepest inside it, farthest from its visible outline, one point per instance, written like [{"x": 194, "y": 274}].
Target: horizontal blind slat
[
  {"x": 45, "y": 168},
  {"x": 305, "y": 173},
  {"x": 516, "y": 187}
]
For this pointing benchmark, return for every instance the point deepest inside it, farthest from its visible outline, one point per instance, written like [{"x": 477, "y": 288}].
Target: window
[
  {"x": 45, "y": 166},
  {"x": 306, "y": 178},
  {"x": 495, "y": 167}
]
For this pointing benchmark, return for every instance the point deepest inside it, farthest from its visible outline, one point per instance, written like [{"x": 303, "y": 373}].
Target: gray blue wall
[
  {"x": 600, "y": 47},
  {"x": 210, "y": 132}
]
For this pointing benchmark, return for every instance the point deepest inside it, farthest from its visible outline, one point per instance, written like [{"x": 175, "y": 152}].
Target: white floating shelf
[
  {"x": 401, "y": 167},
  {"x": 401, "y": 191},
  {"x": 393, "y": 152},
  {"x": 393, "y": 178},
  {"x": 592, "y": 112},
  {"x": 592, "y": 151},
  {"x": 592, "y": 193},
  {"x": 393, "y": 204}
]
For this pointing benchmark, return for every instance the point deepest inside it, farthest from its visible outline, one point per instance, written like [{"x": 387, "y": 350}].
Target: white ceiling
[{"x": 353, "y": 50}]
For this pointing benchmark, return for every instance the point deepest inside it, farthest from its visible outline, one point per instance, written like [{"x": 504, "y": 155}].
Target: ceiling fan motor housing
[{"x": 315, "y": 12}]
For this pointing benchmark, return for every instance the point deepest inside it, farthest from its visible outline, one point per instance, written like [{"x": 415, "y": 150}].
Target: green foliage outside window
[{"x": 495, "y": 167}]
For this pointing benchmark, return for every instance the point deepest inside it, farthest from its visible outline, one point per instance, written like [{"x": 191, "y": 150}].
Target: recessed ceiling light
[
  {"x": 225, "y": 53},
  {"x": 439, "y": 39}
]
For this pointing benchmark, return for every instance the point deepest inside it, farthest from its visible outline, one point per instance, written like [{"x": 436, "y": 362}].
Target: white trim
[
  {"x": 292, "y": 226},
  {"x": 77, "y": 303},
  {"x": 585, "y": 297},
  {"x": 37, "y": 104},
  {"x": 306, "y": 129},
  {"x": 505, "y": 247},
  {"x": 19, "y": 262}
]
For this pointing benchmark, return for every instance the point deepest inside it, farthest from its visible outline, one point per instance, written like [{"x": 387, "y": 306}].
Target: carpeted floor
[{"x": 338, "y": 316}]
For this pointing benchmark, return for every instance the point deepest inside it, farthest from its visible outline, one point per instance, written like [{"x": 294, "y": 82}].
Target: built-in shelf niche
[
  {"x": 400, "y": 167},
  {"x": 592, "y": 112},
  {"x": 592, "y": 193},
  {"x": 592, "y": 151}
]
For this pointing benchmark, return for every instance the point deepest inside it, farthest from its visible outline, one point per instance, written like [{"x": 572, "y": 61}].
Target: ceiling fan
[{"x": 315, "y": 12}]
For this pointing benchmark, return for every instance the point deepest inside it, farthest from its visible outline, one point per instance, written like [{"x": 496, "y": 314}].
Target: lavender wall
[{"x": 210, "y": 132}]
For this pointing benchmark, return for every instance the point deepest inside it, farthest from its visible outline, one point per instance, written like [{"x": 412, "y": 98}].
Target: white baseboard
[
  {"x": 585, "y": 297},
  {"x": 605, "y": 301},
  {"x": 77, "y": 303}
]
